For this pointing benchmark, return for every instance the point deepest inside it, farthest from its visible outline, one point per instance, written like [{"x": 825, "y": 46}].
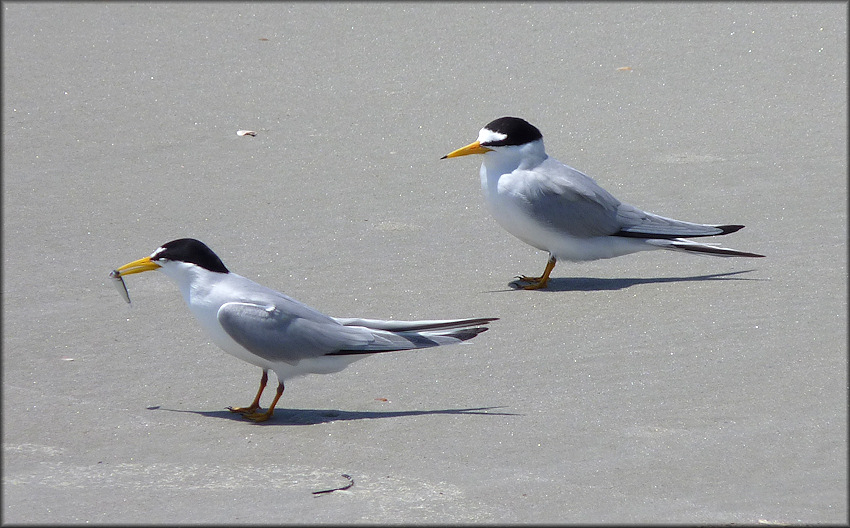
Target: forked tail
[
  {"x": 391, "y": 336},
  {"x": 681, "y": 244}
]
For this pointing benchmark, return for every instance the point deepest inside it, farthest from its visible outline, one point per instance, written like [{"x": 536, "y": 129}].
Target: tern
[
  {"x": 276, "y": 332},
  {"x": 558, "y": 209}
]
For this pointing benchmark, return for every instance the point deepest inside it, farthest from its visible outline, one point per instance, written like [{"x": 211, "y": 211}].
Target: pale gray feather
[
  {"x": 277, "y": 334},
  {"x": 572, "y": 202},
  {"x": 282, "y": 335},
  {"x": 635, "y": 221},
  {"x": 413, "y": 326},
  {"x": 569, "y": 201}
]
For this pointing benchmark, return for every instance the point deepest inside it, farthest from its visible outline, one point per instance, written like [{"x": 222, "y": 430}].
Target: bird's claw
[
  {"x": 252, "y": 413},
  {"x": 242, "y": 410},
  {"x": 535, "y": 283},
  {"x": 258, "y": 416}
]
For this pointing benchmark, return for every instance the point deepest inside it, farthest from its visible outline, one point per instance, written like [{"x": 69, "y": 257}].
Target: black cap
[
  {"x": 517, "y": 132},
  {"x": 191, "y": 251}
]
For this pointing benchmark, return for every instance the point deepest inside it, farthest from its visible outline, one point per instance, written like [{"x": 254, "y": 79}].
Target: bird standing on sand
[
  {"x": 274, "y": 331},
  {"x": 556, "y": 208}
]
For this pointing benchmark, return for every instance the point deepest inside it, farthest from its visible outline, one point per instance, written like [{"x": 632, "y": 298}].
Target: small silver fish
[{"x": 118, "y": 280}]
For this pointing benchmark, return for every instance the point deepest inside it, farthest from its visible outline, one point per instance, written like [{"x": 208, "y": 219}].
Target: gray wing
[
  {"x": 415, "y": 326},
  {"x": 569, "y": 201},
  {"x": 572, "y": 202},
  {"x": 640, "y": 224},
  {"x": 275, "y": 334}
]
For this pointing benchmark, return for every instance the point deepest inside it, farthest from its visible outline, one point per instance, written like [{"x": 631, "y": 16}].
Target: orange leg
[
  {"x": 541, "y": 281},
  {"x": 263, "y": 416},
  {"x": 256, "y": 403}
]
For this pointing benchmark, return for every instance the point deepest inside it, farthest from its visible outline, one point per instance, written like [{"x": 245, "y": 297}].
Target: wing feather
[
  {"x": 569, "y": 201},
  {"x": 277, "y": 335},
  {"x": 572, "y": 202},
  {"x": 640, "y": 224}
]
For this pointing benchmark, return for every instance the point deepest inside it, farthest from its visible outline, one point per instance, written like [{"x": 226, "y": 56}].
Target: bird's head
[
  {"x": 183, "y": 252},
  {"x": 500, "y": 134}
]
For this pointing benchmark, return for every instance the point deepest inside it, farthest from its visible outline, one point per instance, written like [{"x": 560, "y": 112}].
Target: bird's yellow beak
[
  {"x": 472, "y": 148},
  {"x": 137, "y": 266}
]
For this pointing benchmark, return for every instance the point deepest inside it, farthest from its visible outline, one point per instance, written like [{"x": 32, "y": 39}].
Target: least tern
[
  {"x": 558, "y": 209},
  {"x": 274, "y": 331}
]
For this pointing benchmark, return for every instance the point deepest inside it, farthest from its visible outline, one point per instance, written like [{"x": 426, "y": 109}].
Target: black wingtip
[
  {"x": 463, "y": 334},
  {"x": 726, "y": 229},
  {"x": 469, "y": 333},
  {"x": 419, "y": 326},
  {"x": 635, "y": 232}
]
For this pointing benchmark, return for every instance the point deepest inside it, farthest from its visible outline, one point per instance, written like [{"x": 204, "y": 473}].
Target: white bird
[
  {"x": 556, "y": 208},
  {"x": 275, "y": 332}
]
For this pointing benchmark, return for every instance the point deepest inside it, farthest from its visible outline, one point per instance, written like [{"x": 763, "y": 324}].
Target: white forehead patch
[
  {"x": 488, "y": 136},
  {"x": 157, "y": 252}
]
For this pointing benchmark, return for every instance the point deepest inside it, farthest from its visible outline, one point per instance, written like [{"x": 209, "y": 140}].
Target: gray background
[{"x": 657, "y": 387}]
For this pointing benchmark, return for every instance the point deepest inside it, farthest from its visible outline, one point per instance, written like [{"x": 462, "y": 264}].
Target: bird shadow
[
  {"x": 562, "y": 284},
  {"x": 319, "y": 416}
]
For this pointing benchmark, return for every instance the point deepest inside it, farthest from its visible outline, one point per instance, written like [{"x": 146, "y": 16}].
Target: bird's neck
[
  {"x": 525, "y": 157},
  {"x": 192, "y": 280},
  {"x": 498, "y": 164}
]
